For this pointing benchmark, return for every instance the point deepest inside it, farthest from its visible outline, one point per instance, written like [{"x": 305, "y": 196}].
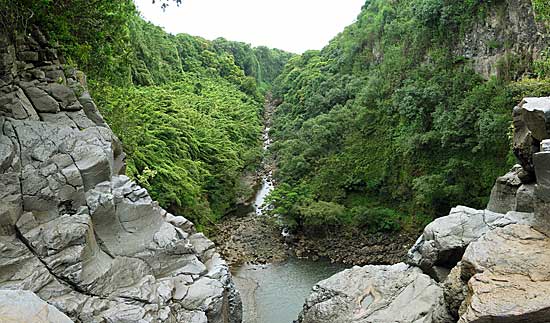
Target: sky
[{"x": 291, "y": 25}]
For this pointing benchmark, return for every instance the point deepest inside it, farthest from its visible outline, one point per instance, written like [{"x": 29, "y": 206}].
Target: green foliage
[
  {"x": 388, "y": 112},
  {"x": 542, "y": 9},
  {"x": 376, "y": 219},
  {"x": 188, "y": 149},
  {"x": 186, "y": 109}
]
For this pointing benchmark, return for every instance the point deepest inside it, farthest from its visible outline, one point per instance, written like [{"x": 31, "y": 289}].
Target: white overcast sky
[{"x": 292, "y": 25}]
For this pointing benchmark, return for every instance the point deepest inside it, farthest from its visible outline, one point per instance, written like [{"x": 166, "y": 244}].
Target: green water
[{"x": 275, "y": 293}]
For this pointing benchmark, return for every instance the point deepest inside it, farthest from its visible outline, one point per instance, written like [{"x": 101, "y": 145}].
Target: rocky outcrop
[
  {"x": 509, "y": 274},
  {"x": 75, "y": 230},
  {"x": 491, "y": 266},
  {"x": 511, "y": 194},
  {"x": 530, "y": 129},
  {"x": 376, "y": 294},
  {"x": 444, "y": 241}
]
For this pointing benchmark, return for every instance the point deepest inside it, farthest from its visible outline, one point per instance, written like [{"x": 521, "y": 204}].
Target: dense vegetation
[
  {"x": 387, "y": 127},
  {"x": 186, "y": 109}
]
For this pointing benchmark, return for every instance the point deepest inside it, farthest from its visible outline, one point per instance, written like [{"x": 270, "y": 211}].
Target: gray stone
[
  {"x": 28, "y": 56},
  {"x": 525, "y": 198},
  {"x": 64, "y": 95},
  {"x": 60, "y": 118},
  {"x": 376, "y": 294},
  {"x": 444, "y": 240},
  {"x": 25, "y": 306},
  {"x": 531, "y": 118},
  {"x": 508, "y": 277},
  {"x": 541, "y": 161},
  {"x": 11, "y": 203},
  {"x": 91, "y": 109},
  {"x": 41, "y": 101},
  {"x": 503, "y": 195}
]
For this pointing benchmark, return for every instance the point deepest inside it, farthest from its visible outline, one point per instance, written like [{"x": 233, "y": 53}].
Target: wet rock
[
  {"x": 397, "y": 293},
  {"x": 509, "y": 277},
  {"x": 25, "y": 306}
]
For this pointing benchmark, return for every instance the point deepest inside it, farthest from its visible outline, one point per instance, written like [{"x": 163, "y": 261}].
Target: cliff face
[
  {"x": 509, "y": 33},
  {"x": 75, "y": 230}
]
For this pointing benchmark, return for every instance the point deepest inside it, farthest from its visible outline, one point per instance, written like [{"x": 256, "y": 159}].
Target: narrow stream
[{"x": 275, "y": 293}]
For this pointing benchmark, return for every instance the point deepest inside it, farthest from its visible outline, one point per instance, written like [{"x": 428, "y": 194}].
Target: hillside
[
  {"x": 187, "y": 110},
  {"x": 406, "y": 112}
]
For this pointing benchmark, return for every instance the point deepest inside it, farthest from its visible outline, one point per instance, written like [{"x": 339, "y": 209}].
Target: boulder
[
  {"x": 376, "y": 294},
  {"x": 24, "y": 306},
  {"x": 503, "y": 194},
  {"x": 443, "y": 241},
  {"x": 531, "y": 126},
  {"x": 508, "y": 277}
]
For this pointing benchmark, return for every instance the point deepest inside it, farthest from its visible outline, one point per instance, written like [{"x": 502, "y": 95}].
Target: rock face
[
  {"x": 508, "y": 29},
  {"x": 376, "y": 294},
  {"x": 25, "y": 306},
  {"x": 510, "y": 278},
  {"x": 531, "y": 120},
  {"x": 443, "y": 242},
  {"x": 75, "y": 230}
]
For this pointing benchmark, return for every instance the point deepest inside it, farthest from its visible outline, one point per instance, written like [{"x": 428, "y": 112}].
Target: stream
[{"x": 275, "y": 292}]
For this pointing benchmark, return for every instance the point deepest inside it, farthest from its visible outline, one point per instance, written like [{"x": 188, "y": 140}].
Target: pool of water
[{"x": 275, "y": 293}]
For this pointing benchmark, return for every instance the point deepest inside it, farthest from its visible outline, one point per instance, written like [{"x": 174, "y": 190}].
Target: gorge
[{"x": 407, "y": 164}]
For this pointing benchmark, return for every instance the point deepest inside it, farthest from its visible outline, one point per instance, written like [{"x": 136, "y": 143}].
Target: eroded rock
[
  {"x": 25, "y": 306},
  {"x": 444, "y": 240},
  {"x": 509, "y": 274},
  {"x": 376, "y": 294},
  {"x": 77, "y": 232}
]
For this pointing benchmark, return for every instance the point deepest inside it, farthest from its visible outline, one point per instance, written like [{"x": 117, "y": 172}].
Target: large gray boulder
[
  {"x": 509, "y": 279},
  {"x": 510, "y": 194},
  {"x": 376, "y": 294},
  {"x": 24, "y": 306},
  {"x": 444, "y": 240},
  {"x": 531, "y": 126},
  {"x": 81, "y": 235}
]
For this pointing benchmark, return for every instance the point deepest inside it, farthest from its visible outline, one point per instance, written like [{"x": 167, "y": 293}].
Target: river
[{"x": 275, "y": 293}]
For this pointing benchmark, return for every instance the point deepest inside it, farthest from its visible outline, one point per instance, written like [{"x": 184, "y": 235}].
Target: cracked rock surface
[
  {"x": 74, "y": 230},
  {"x": 376, "y": 294},
  {"x": 510, "y": 278},
  {"x": 444, "y": 240}
]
